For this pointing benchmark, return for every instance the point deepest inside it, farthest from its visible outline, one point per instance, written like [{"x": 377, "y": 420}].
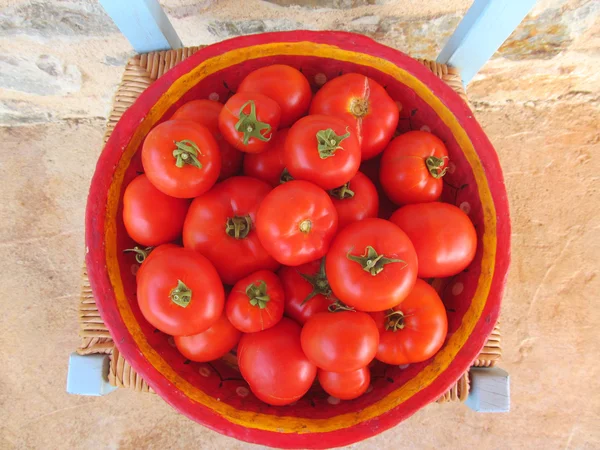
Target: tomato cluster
[{"x": 289, "y": 261}]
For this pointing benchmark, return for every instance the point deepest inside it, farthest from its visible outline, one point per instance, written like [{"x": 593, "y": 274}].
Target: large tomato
[
  {"x": 322, "y": 150},
  {"x": 306, "y": 289},
  {"x": 355, "y": 200},
  {"x": 248, "y": 121},
  {"x": 296, "y": 222},
  {"x": 179, "y": 292},
  {"x": 340, "y": 341},
  {"x": 211, "y": 344},
  {"x": 371, "y": 265},
  {"x": 273, "y": 364},
  {"x": 206, "y": 112},
  {"x": 345, "y": 386},
  {"x": 256, "y": 302},
  {"x": 151, "y": 217},
  {"x": 414, "y": 330},
  {"x": 181, "y": 158},
  {"x": 443, "y": 235},
  {"x": 363, "y": 103},
  {"x": 412, "y": 167},
  {"x": 221, "y": 225},
  {"x": 268, "y": 165},
  {"x": 284, "y": 84}
]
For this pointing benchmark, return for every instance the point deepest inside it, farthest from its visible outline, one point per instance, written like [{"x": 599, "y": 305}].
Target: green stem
[
  {"x": 305, "y": 226},
  {"x": 186, "y": 152},
  {"x": 328, "y": 142},
  {"x": 140, "y": 253},
  {"x": 372, "y": 262},
  {"x": 285, "y": 177},
  {"x": 394, "y": 321},
  {"x": 338, "y": 306},
  {"x": 181, "y": 295},
  {"x": 342, "y": 192},
  {"x": 250, "y": 125},
  {"x": 238, "y": 227},
  {"x": 434, "y": 165},
  {"x": 319, "y": 283},
  {"x": 258, "y": 294},
  {"x": 359, "y": 107}
]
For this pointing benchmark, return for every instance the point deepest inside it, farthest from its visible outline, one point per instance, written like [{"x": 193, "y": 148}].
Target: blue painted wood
[
  {"x": 143, "y": 23},
  {"x": 490, "y": 390},
  {"x": 88, "y": 375},
  {"x": 487, "y": 24}
]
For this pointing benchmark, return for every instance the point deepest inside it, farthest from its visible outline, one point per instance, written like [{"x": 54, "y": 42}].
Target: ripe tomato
[
  {"x": 412, "y": 167},
  {"x": 355, "y": 200},
  {"x": 306, "y": 289},
  {"x": 180, "y": 293},
  {"x": 247, "y": 121},
  {"x": 268, "y": 165},
  {"x": 323, "y": 150},
  {"x": 273, "y": 364},
  {"x": 443, "y": 235},
  {"x": 363, "y": 103},
  {"x": 296, "y": 222},
  {"x": 256, "y": 302},
  {"x": 414, "y": 330},
  {"x": 371, "y": 265},
  {"x": 181, "y": 158},
  {"x": 211, "y": 344},
  {"x": 221, "y": 225},
  {"x": 284, "y": 84},
  {"x": 345, "y": 386},
  {"x": 206, "y": 112},
  {"x": 151, "y": 217},
  {"x": 341, "y": 341}
]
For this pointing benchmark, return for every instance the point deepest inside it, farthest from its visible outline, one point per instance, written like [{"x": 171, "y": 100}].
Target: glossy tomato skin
[
  {"x": 284, "y": 84},
  {"x": 421, "y": 329},
  {"x": 152, "y": 218},
  {"x": 404, "y": 173},
  {"x": 443, "y": 235},
  {"x": 296, "y": 222},
  {"x": 268, "y": 165},
  {"x": 359, "y": 288},
  {"x": 365, "y": 105},
  {"x": 345, "y": 386},
  {"x": 341, "y": 341},
  {"x": 274, "y": 365},
  {"x": 268, "y": 114},
  {"x": 265, "y": 289},
  {"x": 206, "y": 112},
  {"x": 162, "y": 275},
  {"x": 235, "y": 199},
  {"x": 211, "y": 344},
  {"x": 306, "y": 289},
  {"x": 355, "y": 201},
  {"x": 304, "y": 160},
  {"x": 160, "y": 165}
]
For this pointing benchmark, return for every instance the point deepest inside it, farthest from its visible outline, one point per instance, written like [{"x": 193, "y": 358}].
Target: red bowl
[{"x": 214, "y": 394}]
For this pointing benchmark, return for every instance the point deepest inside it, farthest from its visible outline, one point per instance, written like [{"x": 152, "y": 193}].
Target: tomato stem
[
  {"x": 186, "y": 152},
  {"x": 305, "y": 226},
  {"x": 342, "y": 192},
  {"x": 338, "y": 306},
  {"x": 359, "y": 107},
  {"x": 250, "y": 125},
  {"x": 434, "y": 165},
  {"x": 328, "y": 142},
  {"x": 181, "y": 295},
  {"x": 371, "y": 261},
  {"x": 238, "y": 227},
  {"x": 285, "y": 177},
  {"x": 140, "y": 253},
  {"x": 258, "y": 294},
  {"x": 319, "y": 283},
  {"x": 395, "y": 320}
]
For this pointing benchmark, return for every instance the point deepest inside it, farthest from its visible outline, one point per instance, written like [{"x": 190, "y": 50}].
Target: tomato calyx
[
  {"x": 181, "y": 294},
  {"x": 434, "y": 165},
  {"x": 285, "y": 177},
  {"x": 342, "y": 192},
  {"x": 371, "y": 261},
  {"x": 305, "y": 226},
  {"x": 394, "y": 321},
  {"x": 328, "y": 142},
  {"x": 250, "y": 125},
  {"x": 238, "y": 227},
  {"x": 257, "y": 293},
  {"x": 140, "y": 253},
  {"x": 319, "y": 283},
  {"x": 338, "y": 306},
  {"x": 186, "y": 152},
  {"x": 359, "y": 107}
]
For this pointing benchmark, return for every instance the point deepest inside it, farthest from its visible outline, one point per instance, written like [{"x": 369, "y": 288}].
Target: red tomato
[
  {"x": 371, "y": 265},
  {"x": 206, "y": 112},
  {"x": 345, "y": 386},
  {"x": 181, "y": 158},
  {"x": 341, "y": 341},
  {"x": 414, "y": 330},
  {"x": 151, "y": 217},
  {"x": 412, "y": 167},
  {"x": 322, "y": 150},
  {"x": 248, "y": 121},
  {"x": 306, "y": 289},
  {"x": 355, "y": 200},
  {"x": 211, "y": 344},
  {"x": 284, "y": 84},
  {"x": 363, "y": 103},
  {"x": 256, "y": 302},
  {"x": 221, "y": 225},
  {"x": 268, "y": 165},
  {"x": 443, "y": 235},
  {"x": 273, "y": 364},
  {"x": 180, "y": 293},
  {"x": 296, "y": 222}
]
